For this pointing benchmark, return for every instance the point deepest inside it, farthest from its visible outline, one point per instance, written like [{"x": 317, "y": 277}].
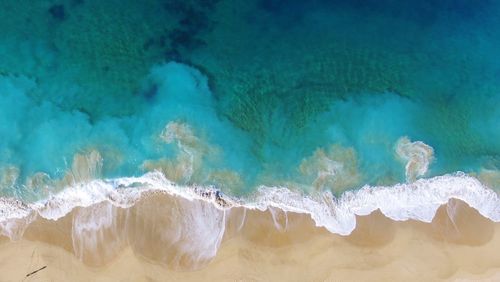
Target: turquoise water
[{"x": 313, "y": 95}]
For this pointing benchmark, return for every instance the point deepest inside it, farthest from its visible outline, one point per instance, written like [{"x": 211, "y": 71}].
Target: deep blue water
[{"x": 308, "y": 94}]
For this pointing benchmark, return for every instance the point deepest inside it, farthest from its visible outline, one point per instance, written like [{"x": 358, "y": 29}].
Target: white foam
[
  {"x": 90, "y": 229},
  {"x": 14, "y": 217},
  {"x": 418, "y": 200},
  {"x": 417, "y": 156}
]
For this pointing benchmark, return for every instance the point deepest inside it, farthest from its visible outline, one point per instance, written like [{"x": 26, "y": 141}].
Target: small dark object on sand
[{"x": 31, "y": 273}]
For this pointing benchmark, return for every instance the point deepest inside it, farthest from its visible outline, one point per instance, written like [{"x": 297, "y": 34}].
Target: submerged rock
[{"x": 58, "y": 12}]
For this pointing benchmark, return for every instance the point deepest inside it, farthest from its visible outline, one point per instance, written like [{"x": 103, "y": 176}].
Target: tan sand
[{"x": 466, "y": 248}]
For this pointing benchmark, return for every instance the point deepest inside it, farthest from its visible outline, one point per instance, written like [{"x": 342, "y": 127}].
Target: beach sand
[{"x": 459, "y": 245}]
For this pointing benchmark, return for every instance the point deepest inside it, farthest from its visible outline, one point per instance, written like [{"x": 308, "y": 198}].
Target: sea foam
[{"x": 418, "y": 200}]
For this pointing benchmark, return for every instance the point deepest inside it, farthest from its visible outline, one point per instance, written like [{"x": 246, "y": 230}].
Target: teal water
[{"x": 312, "y": 95}]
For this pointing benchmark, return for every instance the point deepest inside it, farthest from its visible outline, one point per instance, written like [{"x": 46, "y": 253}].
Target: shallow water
[{"x": 262, "y": 88}]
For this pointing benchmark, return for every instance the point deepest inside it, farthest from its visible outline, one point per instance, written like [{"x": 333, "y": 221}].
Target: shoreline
[
  {"x": 418, "y": 201},
  {"x": 153, "y": 241}
]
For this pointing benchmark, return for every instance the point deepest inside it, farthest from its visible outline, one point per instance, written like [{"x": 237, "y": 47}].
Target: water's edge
[{"x": 417, "y": 201}]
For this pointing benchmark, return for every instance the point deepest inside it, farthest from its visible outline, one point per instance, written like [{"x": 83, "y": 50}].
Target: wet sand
[{"x": 151, "y": 242}]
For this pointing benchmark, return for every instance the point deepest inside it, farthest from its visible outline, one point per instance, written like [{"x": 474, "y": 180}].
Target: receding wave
[
  {"x": 418, "y": 201},
  {"x": 185, "y": 228}
]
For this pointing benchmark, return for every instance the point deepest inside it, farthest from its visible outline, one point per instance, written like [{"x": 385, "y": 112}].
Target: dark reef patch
[
  {"x": 58, "y": 12},
  {"x": 77, "y": 2},
  {"x": 184, "y": 39},
  {"x": 150, "y": 92},
  {"x": 422, "y": 12},
  {"x": 193, "y": 20},
  {"x": 173, "y": 55}
]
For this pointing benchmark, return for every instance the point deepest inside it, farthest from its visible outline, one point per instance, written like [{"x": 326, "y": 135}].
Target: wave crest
[
  {"x": 418, "y": 200},
  {"x": 183, "y": 227}
]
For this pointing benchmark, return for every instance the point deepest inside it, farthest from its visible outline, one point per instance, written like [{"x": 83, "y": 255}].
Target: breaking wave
[{"x": 418, "y": 200}]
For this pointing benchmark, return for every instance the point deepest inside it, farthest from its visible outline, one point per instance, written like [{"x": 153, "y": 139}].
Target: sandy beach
[{"x": 459, "y": 245}]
